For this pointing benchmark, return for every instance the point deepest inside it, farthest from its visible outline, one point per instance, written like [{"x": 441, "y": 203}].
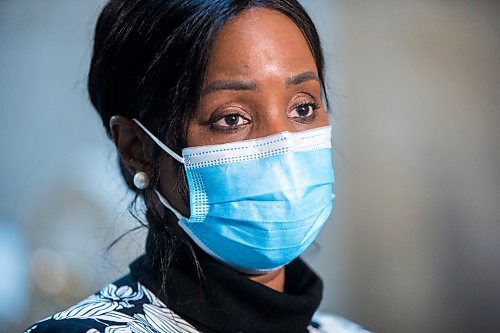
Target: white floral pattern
[
  {"x": 32, "y": 328},
  {"x": 148, "y": 314},
  {"x": 105, "y": 307}
]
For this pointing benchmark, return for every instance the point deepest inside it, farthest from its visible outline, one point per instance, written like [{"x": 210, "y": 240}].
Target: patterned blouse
[
  {"x": 128, "y": 306},
  {"x": 137, "y": 310}
]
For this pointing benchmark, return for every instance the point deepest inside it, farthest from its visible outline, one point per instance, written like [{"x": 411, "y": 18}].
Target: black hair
[{"x": 149, "y": 61}]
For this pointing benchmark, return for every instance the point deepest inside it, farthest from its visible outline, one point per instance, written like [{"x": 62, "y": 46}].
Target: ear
[{"x": 133, "y": 146}]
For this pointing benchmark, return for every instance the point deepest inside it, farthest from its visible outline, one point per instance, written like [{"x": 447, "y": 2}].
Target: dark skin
[{"x": 261, "y": 80}]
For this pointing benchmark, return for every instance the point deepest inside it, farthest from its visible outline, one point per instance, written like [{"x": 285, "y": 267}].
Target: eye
[
  {"x": 230, "y": 121},
  {"x": 306, "y": 110}
]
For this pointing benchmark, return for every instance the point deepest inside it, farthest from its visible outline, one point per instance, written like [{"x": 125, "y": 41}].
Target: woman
[{"x": 218, "y": 113}]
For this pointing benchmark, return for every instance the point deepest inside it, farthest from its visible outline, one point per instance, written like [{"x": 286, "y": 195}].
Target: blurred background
[{"x": 414, "y": 241}]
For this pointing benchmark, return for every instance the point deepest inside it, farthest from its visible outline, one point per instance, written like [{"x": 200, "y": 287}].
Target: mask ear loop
[
  {"x": 167, "y": 204},
  {"x": 159, "y": 143},
  {"x": 169, "y": 151}
]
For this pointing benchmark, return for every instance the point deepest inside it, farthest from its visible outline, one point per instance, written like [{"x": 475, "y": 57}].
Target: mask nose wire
[
  {"x": 159, "y": 143},
  {"x": 169, "y": 151}
]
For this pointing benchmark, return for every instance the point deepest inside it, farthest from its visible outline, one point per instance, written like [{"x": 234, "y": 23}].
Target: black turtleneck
[{"x": 224, "y": 300}]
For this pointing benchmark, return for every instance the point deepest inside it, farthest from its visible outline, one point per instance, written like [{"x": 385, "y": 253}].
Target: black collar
[{"x": 227, "y": 301}]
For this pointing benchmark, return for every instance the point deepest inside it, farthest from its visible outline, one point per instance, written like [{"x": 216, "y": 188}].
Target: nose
[
  {"x": 276, "y": 125},
  {"x": 273, "y": 119}
]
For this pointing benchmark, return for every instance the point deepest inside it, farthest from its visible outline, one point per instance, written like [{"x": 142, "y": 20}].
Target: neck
[
  {"x": 227, "y": 301},
  {"x": 274, "y": 280}
]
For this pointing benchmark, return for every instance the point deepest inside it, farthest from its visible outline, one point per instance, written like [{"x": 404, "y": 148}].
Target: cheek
[
  {"x": 323, "y": 118},
  {"x": 198, "y": 135},
  {"x": 194, "y": 134}
]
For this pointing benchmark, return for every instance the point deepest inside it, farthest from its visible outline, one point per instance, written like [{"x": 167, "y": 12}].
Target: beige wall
[{"x": 415, "y": 241}]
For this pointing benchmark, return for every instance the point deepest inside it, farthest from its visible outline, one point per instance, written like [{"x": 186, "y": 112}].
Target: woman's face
[{"x": 261, "y": 80}]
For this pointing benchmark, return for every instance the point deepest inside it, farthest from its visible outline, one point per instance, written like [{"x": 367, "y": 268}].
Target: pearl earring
[{"x": 141, "y": 180}]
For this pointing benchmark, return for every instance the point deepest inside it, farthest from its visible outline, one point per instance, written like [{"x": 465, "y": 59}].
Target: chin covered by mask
[{"x": 256, "y": 205}]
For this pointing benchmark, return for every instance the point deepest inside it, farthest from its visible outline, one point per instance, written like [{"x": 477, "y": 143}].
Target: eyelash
[
  {"x": 225, "y": 129},
  {"x": 315, "y": 106},
  {"x": 232, "y": 129}
]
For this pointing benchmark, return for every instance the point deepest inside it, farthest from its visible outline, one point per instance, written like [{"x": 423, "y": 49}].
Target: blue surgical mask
[{"x": 256, "y": 205}]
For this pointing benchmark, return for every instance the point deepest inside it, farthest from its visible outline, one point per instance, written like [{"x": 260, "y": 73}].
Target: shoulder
[
  {"x": 124, "y": 306},
  {"x": 52, "y": 326},
  {"x": 328, "y": 323}
]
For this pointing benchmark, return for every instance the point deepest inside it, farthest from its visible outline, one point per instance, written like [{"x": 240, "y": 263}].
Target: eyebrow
[
  {"x": 250, "y": 85},
  {"x": 301, "y": 78},
  {"x": 229, "y": 85}
]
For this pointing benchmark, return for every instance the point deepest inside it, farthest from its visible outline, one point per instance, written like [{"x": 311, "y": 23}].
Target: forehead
[{"x": 257, "y": 42}]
